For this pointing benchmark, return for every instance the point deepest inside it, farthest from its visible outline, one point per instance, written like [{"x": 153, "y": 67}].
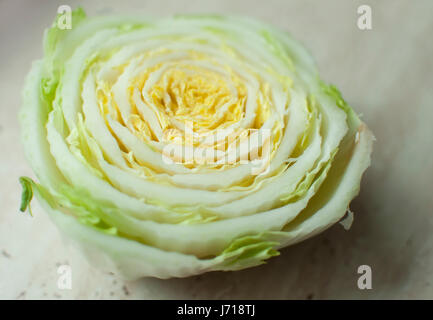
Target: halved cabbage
[{"x": 172, "y": 147}]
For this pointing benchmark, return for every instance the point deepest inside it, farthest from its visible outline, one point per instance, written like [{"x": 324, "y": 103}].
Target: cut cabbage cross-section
[{"x": 177, "y": 146}]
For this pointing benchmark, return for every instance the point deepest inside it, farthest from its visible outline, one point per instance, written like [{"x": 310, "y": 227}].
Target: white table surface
[{"x": 385, "y": 73}]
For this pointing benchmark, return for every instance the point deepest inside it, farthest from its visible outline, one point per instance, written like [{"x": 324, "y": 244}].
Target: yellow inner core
[{"x": 204, "y": 98}]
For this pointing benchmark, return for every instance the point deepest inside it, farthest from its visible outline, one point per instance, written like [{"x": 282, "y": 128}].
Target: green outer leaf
[
  {"x": 249, "y": 251},
  {"x": 27, "y": 194},
  {"x": 334, "y": 93},
  {"x": 241, "y": 253},
  {"x": 54, "y": 35}
]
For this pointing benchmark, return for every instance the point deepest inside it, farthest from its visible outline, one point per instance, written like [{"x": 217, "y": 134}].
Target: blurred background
[{"x": 386, "y": 75}]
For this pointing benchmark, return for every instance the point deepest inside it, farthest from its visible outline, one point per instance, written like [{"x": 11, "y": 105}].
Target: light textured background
[{"x": 385, "y": 74}]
